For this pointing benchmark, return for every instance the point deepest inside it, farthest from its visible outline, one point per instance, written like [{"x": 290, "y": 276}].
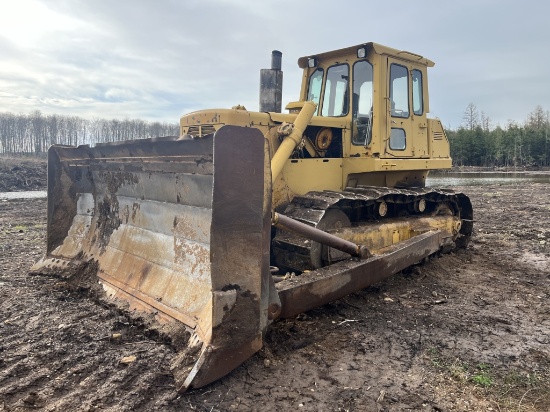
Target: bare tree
[
  {"x": 485, "y": 122},
  {"x": 34, "y": 133},
  {"x": 537, "y": 119},
  {"x": 471, "y": 117}
]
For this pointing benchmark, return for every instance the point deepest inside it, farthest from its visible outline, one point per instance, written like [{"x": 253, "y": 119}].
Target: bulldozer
[{"x": 248, "y": 217}]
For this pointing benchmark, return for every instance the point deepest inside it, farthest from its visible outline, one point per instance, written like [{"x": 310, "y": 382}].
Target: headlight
[{"x": 361, "y": 53}]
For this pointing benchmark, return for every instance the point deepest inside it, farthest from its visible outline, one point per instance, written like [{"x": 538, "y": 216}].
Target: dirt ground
[
  {"x": 22, "y": 174},
  {"x": 467, "y": 331}
]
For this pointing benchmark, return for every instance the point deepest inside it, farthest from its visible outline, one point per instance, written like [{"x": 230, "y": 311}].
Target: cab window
[
  {"x": 418, "y": 103},
  {"x": 335, "y": 100},
  {"x": 398, "y": 139},
  {"x": 362, "y": 103},
  {"x": 399, "y": 90},
  {"x": 315, "y": 87}
]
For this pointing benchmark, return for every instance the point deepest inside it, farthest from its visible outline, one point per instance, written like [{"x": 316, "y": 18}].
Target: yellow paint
[
  {"x": 306, "y": 175},
  {"x": 291, "y": 141},
  {"x": 378, "y": 236}
]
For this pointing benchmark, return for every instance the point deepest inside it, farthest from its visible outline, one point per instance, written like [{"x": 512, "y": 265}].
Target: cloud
[{"x": 158, "y": 60}]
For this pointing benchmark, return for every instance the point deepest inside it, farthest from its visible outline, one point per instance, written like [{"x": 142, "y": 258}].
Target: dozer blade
[{"x": 176, "y": 230}]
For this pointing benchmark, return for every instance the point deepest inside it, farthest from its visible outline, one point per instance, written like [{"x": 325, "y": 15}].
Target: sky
[{"x": 158, "y": 60}]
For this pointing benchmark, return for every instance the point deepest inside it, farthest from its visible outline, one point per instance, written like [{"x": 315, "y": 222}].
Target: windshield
[{"x": 335, "y": 100}]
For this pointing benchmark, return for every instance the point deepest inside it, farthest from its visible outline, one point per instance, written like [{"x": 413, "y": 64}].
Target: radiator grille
[
  {"x": 438, "y": 135},
  {"x": 199, "y": 131},
  {"x": 194, "y": 131},
  {"x": 207, "y": 129}
]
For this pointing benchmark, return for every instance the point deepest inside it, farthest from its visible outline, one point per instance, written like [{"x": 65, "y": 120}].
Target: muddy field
[{"x": 467, "y": 331}]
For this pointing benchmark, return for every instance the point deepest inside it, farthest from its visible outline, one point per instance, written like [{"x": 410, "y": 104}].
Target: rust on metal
[
  {"x": 241, "y": 212},
  {"x": 315, "y": 288},
  {"x": 143, "y": 302}
]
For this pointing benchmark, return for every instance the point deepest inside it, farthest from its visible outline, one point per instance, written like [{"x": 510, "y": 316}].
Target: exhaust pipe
[{"x": 271, "y": 85}]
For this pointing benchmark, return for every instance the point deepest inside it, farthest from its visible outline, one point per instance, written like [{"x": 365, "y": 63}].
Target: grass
[
  {"x": 482, "y": 376},
  {"x": 482, "y": 379},
  {"x": 459, "y": 371},
  {"x": 508, "y": 389},
  {"x": 21, "y": 228}
]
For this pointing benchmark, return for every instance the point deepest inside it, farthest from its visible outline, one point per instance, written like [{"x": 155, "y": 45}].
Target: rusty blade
[
  {"x": 142, "y": 211},
  {"x": 178, "y": 229}
]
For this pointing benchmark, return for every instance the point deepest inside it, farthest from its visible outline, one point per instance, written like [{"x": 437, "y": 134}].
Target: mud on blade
[{"x": 178, "y": 230}]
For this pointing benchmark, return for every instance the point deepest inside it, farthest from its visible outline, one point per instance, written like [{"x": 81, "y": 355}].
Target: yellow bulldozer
[{"x": 247, "y": 217}]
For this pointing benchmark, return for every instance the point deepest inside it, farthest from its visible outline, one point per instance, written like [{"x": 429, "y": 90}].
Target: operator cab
[{"x": 379, "y": 93}]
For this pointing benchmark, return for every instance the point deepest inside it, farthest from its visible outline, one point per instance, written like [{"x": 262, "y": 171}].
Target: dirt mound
[
  {"x": 468, "y": 331},
  {"x": 19, "y": 175}
]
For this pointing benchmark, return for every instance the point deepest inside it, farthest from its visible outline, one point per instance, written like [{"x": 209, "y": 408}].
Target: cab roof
[{"x": 377, "y": 48}]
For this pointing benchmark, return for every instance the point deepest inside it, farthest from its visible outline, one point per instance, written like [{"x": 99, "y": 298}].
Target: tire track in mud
[
  {"x": 59, "y": 348},
  {"x": 68, "y": 356}
]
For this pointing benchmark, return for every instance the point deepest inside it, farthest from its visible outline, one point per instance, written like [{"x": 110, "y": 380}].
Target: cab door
[{"x": 399, "y": 141}]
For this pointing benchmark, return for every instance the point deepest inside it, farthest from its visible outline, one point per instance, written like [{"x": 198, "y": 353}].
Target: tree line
[
  {"x": 474, "y": 143},
  {"x": 477, "y": 143},
  {"x": 33, "y": 133}
]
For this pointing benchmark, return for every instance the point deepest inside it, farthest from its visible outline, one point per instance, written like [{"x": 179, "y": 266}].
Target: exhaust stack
[{"x": 271, "y": 85}]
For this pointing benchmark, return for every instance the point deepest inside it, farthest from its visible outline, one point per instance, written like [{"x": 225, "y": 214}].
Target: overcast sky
[{"x": 159, "y": 59}]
